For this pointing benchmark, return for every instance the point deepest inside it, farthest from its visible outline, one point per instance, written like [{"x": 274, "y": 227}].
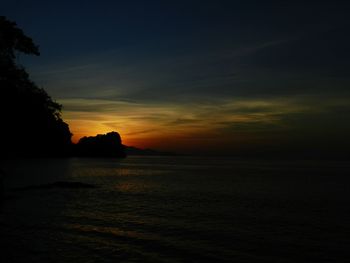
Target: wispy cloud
[{"x": 229, "y": 118}]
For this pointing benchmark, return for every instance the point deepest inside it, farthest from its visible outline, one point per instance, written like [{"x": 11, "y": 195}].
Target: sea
[{"x": 175, "y": 209}]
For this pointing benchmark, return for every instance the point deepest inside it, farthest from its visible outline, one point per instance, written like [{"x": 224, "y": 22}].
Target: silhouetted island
[{"x": 101, "y": 145}]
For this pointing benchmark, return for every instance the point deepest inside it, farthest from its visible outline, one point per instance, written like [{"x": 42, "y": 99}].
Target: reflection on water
[
  {"x": 167, "y": 209},
  {"x": 135, "y": 187}
]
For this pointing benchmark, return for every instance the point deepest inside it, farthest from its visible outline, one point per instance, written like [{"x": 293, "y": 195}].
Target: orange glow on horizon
[
  {"x": 181, "y": 142},
  {"x": 183, "y": 127}
]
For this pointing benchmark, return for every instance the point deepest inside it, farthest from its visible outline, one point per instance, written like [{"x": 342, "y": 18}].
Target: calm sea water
[{"x": 176, "y": 209}]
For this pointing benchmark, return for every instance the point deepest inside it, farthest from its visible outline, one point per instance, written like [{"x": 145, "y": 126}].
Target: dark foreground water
[{"x": 176, "y": 209}]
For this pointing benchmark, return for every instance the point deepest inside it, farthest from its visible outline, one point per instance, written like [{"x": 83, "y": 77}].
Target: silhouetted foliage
[
  {"x": 102, "y": 145},
  {"x": 31, "y": 123}
]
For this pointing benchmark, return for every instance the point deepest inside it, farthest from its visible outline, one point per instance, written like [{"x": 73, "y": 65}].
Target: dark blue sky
[{"x": 207, "y": 73}]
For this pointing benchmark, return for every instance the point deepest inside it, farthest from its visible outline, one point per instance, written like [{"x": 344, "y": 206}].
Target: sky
[{"x": 195, "y": 76}]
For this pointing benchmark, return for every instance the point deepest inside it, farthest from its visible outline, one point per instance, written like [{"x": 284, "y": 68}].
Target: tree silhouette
[{"x": 31, "y": 123}]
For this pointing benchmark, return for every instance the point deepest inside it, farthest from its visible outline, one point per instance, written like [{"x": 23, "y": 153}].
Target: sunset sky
[{"x": 195, "y": 76}]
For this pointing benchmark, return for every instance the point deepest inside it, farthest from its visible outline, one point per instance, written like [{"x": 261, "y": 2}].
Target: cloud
[
  {"x": 231, "y": 119},
  {"x": 278, "y": 65},
  {"x": 213, "y": 71}
]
